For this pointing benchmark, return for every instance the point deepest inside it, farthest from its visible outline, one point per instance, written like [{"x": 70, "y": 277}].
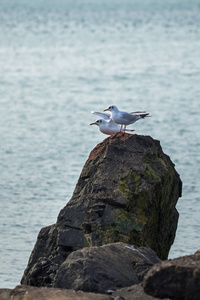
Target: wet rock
[
  {"x": 109, "y": 267},
  {"x": 177, "y": 278},
  {"x": 127, "y": 192}
]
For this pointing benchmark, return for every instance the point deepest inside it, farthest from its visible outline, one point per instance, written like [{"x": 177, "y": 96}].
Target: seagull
[
  {"x": 106, "y": 125},
  {"x": 125, "y": 118}
]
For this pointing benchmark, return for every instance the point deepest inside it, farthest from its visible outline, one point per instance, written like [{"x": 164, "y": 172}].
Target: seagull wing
[
  {"x": 137, "y": 112},
  {"x": 106, "y": 116},
  {"x": 128, "y": 117}
]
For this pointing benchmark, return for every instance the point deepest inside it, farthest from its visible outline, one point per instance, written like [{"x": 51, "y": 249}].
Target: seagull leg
[
  {"x": 121, "y": 127},
  {"x": 124, "y": 128}
]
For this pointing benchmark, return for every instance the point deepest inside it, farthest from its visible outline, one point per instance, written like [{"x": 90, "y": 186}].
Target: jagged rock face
[{"x": 127, "y": 192}]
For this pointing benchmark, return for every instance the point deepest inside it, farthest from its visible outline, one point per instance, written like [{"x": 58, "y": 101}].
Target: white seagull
[
  {"x": 106, "y": 125},
  {"x": 125, "y": 118}
]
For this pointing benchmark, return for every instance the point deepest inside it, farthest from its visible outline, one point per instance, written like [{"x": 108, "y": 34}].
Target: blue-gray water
[{"x": 61, "y": 59}]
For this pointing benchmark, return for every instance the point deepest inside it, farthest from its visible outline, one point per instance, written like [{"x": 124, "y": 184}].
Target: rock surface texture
[
  {"x": 177, "y": 278},
  {"x": 127, "y": 192},
  {"x": 109, "y": 267}
]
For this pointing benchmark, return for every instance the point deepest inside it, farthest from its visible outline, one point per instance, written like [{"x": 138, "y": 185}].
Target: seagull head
[
  {"x": 111, "y": 108},
  {"x": 98, "y": 122}
]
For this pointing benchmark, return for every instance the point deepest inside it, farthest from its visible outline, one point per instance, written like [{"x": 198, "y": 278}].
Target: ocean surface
[{"x": 59, "y": 60}]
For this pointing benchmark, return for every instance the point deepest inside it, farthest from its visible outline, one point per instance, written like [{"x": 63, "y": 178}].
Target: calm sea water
[{"x": 61, "y": 59}]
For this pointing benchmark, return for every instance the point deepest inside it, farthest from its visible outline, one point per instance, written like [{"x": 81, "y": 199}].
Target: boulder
[
  {"x": 109, "y": 267},
  {"x": 177, "y": 278},
  {"x": 127, "y": 192}
]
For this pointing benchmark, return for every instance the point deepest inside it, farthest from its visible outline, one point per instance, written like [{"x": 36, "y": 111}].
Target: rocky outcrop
[
  {"x": 175, "y": 278},
  {"x": 109, "y": 267},
  {"x": 127, "y": 192}
]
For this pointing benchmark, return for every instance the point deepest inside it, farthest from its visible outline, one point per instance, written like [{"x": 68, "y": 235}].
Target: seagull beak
[
  {"x": 106, "y": 109},
  {"x": 93, "y": 124}
]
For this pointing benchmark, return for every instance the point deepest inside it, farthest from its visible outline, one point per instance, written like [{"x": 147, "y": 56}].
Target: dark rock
[
  {"x": 127, "y": 192},
  {"x": 109, "y": 267},
  {"x": 45, "y": 259},
  {"x": 177, "y": 278}
]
